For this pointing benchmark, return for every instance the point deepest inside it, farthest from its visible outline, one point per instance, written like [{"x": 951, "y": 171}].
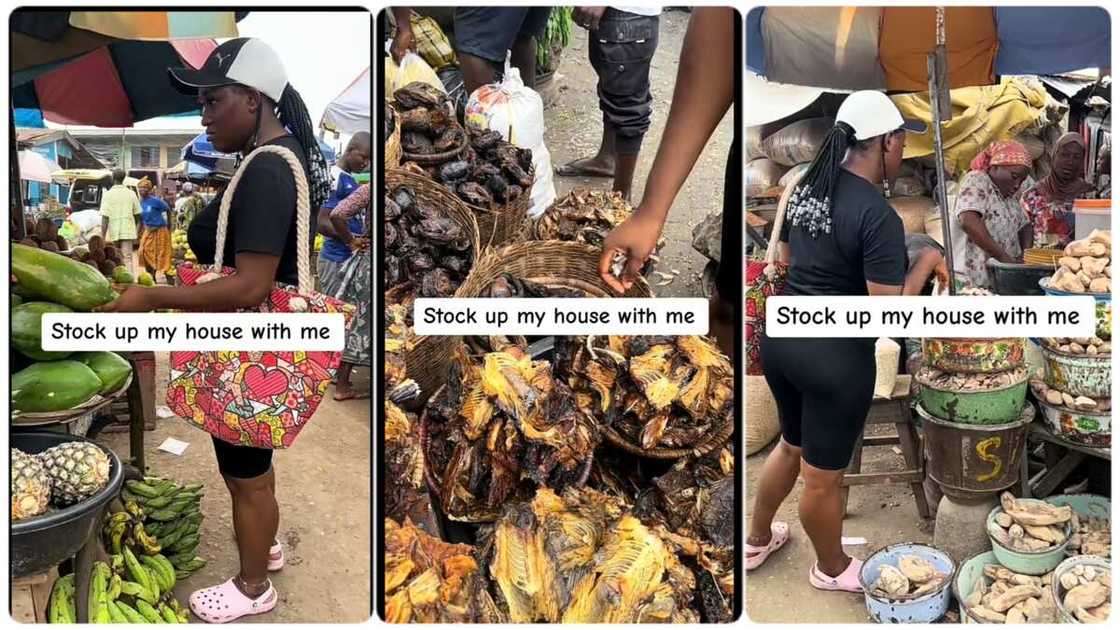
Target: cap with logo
[
  {"x": 871, "y": 113},
  {"x": 244, "y": 60}
]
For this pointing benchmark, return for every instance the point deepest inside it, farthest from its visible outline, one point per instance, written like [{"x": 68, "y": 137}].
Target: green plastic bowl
[{"x": 1028, "y": 562}]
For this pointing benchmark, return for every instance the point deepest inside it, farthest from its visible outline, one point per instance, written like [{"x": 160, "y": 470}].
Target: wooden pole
[{"x": 939, "y": 104}]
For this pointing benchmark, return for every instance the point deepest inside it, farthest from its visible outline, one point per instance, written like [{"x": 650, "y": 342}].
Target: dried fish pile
[
  {"x": 406, "y": 494},
  {"x": 1012, "y": 597},
  {"x": 507, "y": 285},
  {"x": 583, "y": 216},
  {"x": 583, "y": 557},
  {"x": 1090, "y": 346},
  {"x": 1030, "y": 525},
  {"x": 1086, "y": 593},
  {"x": 423, "y": 245},
  {"x": 1092, "y": 536},
  {"x": 970, "y": 382},
  {"x": 1058, "y": 398},
  {"x": 477, "y": 165},
  {"x": 430, "y": 581},
  {"x": 501, "y": 423},
  {"x": 655, "y": 391},
  {"x": 1086, "y": 266},
  {"x": 913, "y": 577}
]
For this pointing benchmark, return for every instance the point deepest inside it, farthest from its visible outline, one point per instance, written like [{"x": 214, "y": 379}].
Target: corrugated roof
[{"x": 84, "y": 158}]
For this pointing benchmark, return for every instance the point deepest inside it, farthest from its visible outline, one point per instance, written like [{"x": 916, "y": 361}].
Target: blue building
[{"x": 59, "y": 146}]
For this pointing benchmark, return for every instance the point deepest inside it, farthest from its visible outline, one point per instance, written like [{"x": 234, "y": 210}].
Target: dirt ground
[
  {"x": 779, "y": 590},
  {"x": 323, "y": 486},
  {"x": 573, "y": 129}
]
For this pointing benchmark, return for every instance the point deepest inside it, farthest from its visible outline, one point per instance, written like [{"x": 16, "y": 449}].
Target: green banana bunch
[
  {"x": 148, "y": 544},
  {"x": 137, "y": 573},
  {"x": 97, "y": 604},
  {"x": 60, "y": 606},
  {"x": 131, "y": 613},
  {"x": 162, "y": 570}
]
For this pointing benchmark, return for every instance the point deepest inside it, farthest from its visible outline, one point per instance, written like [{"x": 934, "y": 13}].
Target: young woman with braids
[
  {"x": 840, "y": 237},
  {"x": 246, "y": 103}
]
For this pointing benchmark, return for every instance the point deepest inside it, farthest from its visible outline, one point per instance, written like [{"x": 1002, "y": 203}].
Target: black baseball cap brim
[{"x": 913, "y": 126}]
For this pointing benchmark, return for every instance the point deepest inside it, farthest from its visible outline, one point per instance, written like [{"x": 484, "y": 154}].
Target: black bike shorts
[
  {"x": 241, "y": 462},
  {"x": 823, "y": 388}
]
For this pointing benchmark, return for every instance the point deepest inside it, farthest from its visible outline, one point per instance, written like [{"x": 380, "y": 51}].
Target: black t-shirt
[
  {"x": 867, "y": 243},
  {"x": 261, "y": 217}
]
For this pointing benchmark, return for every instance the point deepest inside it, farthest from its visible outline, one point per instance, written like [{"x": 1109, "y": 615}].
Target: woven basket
[
  {"x": 434, "y": 479},
  {"x": 551, "y": 263},
  {"x": 431, "y": 159},
  {"x": 508, "y": 223},
  {"x": 428, "y": 357},
  {"x": 392, "y": 156},
  {"x": 762, "y": 410}
]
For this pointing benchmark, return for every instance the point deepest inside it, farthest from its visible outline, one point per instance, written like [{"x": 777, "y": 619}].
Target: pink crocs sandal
[
  {"x": 846, "y": 581},
  {"x": 275, "y": 557},
  {"x": 779, "y": 534},
  {"x": 225, "y": 602}
]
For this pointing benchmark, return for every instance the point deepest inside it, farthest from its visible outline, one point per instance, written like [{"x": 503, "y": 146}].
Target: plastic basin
[
  {"x": 1027, "y": 562},
  {"x": 925, "y": 608},
  {"x": 44, "y": 541},
  {"x": 965, "y": 579}
]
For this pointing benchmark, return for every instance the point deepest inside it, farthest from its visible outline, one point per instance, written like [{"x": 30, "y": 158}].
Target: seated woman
[
  {"x": 988, "y": 211},
  {"x": 1049, "y": 203}
]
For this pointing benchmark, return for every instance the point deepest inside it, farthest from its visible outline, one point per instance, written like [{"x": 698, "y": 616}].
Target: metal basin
[
  {"x": 1028, "y": 562},
  {"x": 1091, "y": 428},
  {"x": 985, "y": 406},
  {"x": 973, "y": 356},
  {"x": 1079, "y": 374},
  {"x": 925, "y": 608}
]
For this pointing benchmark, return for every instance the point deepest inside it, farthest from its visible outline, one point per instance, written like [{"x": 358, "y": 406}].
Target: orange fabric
[
  {"x": 908, "y": 34},
  {"x": 1005, "y": 153}
]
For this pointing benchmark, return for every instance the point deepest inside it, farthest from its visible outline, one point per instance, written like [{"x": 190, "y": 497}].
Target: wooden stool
[{"x": 894, "y": 410}]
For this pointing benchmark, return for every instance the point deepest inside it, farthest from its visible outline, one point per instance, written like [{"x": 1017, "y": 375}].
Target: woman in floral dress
[{"x": 988, "y": 211}]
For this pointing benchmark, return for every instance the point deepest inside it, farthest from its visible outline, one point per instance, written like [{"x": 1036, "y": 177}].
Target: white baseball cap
[
  {"x": 246, "y": 61},
  {"x": 871, "y": 113}
]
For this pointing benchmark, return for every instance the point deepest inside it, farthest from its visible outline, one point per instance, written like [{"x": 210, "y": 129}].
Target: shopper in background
[
  {"x": 155, "y": 239},
  {"x": 189, "y": 204},
  {"x": 120, "y": 218},
  {"x": 989, "y": 213},
  {"x": 840, "y": 237},
  {"x": 483, "y": 37},
  {"x": 355, "y": 287},
  {"x": 621, "y": 42},
  {"x": 1049, "y": 203}
]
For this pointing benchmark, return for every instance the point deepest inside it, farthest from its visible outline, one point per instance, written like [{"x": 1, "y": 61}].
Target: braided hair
[
  {"x": 810, "y": 206},
  {"x": 292, "y": 113}
]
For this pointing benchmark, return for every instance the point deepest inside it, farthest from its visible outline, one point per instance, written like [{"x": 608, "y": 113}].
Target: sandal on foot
[
  {"x": 225, "y": 602},
  {"x": 779, "y": 534},
  {"x": 847, "y": 581},
  {"x": 275, "y": 557}
]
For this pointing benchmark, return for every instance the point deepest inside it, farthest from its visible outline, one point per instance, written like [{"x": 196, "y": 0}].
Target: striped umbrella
[
  {"x": 107, "y": 68},
  {"x": 885, "y": 48}
]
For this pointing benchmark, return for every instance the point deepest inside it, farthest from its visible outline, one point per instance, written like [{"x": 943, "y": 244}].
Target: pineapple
[
  {"x": 77, "y": 471},
  {"x": 31, "y": 486}
]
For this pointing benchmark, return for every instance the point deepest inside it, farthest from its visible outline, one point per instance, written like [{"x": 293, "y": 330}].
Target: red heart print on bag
[{"x": 265, "y": 384}]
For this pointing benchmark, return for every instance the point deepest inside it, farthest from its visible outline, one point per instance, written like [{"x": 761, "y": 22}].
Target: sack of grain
[
  {"x": 913, "y": 211},
  {"x": 752, "y": 143},
  {"x": 793, "y": 174},
  {"x": 761, "y": 415},
  {"x": 909, "y": 186},
  {"x": 797, "y": 142},
  {"x": 886, "y": 366},
  {"x": 1033, "y": 144},
  {"x": 761, "y": 175}
]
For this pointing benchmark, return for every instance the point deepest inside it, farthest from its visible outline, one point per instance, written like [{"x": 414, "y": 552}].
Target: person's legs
[
  {"x": 599, "y": 165},
  {"x": 256, "y": 517},
  {"x": 775, "y": 481},
  {"x": 523, "y": 56},
  {"x": 721, "y": 322},
  {"x": 343, "y": 390},
  {"x": 483, "y": 35},
  {"x": 822, "y": 513},
  {"x": 624, "y": 174}
]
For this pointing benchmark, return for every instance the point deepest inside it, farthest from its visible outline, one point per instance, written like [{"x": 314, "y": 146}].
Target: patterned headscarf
[
  {"x": 1002, "y": 153},
  {"x": 1063, "y": 190}
]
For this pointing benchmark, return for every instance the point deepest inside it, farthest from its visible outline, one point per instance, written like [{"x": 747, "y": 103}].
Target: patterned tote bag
[
  {"x": 260, "y": 398},
  {"x": 765, "y": 278}
]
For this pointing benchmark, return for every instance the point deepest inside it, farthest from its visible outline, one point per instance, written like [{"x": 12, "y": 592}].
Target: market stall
[
  {"x": 993, "y": 412},
  {"x": 74, "y": 499}
]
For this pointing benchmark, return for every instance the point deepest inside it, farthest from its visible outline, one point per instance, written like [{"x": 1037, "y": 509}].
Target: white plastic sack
[
  {"x": 752, "y": 143},
  {"x": 797, "y": 142},
  {"x": 517, "y": 112},
  {"x": 88, "y": 223},
  {"x": 761, "y": 175}
]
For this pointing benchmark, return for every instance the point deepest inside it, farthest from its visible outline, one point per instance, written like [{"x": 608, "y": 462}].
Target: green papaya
[
  {"x": 53, "y": 386},
  {"x": 112, "y": 369},
  {"x": 27, "y": 326},
  {"x": 15, "y": 299},
  {"x": 122, "y": 276},
  {"x": 146, "y": 279},
  {"x": 57, "y": 278}
]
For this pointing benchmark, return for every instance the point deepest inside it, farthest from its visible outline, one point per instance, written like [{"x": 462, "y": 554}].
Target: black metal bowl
[{"x": 43, "y": 541}]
